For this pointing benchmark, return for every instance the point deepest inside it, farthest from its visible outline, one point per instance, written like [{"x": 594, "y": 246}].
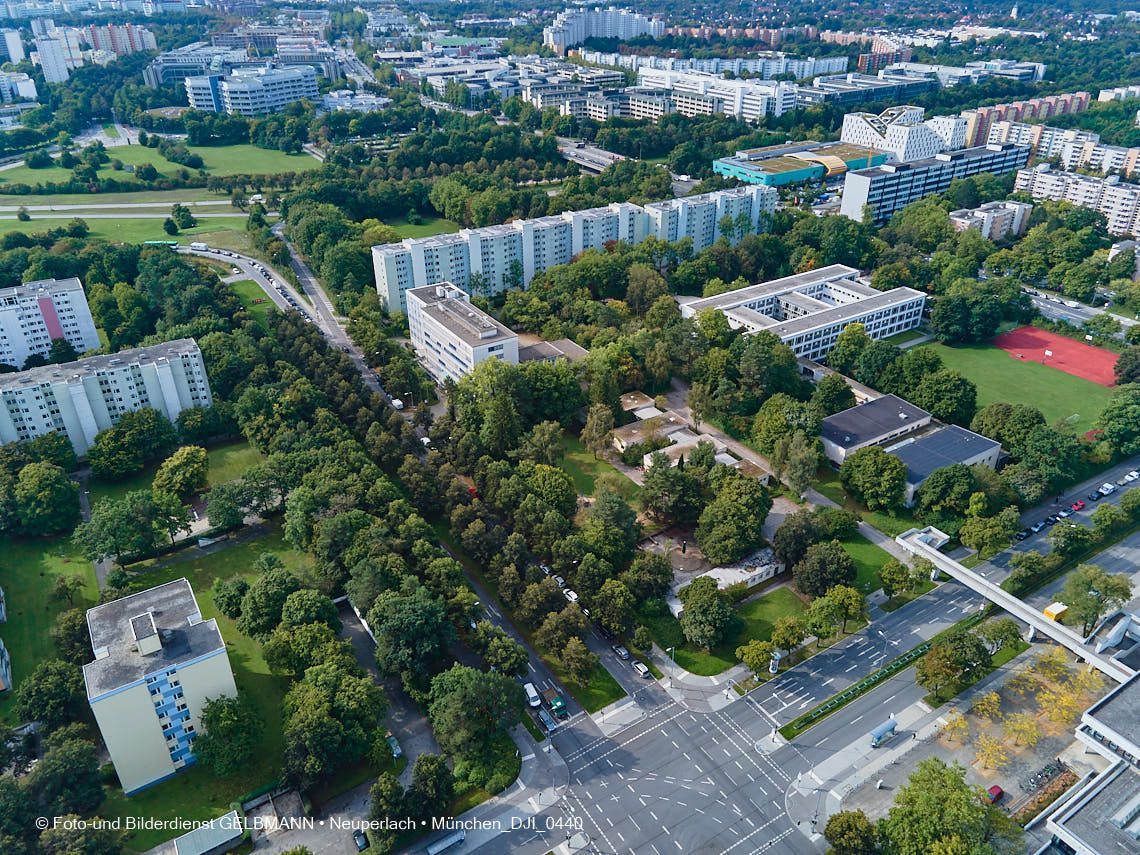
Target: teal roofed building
[{"x": 796, "y": 163}]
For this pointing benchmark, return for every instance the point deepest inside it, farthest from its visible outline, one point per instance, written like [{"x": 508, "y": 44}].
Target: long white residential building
[
  {"x": 252, "y": 91},
  {"x": 490, "y": 260},
  {"x": 574, "y": 26},
  {"x": 33, "y": 314},
  {"x": 696, "y": 93},
  {"x": 1116, "y": 199},
  {"x": 451, "y": 336},
  {"x": 17, "y": 86},
  {"x": 767, "y": 64},
  {"x": 807, "y": 311},
  {"x": 902, "y": 133},
  {"x": 84, "y": 397}
]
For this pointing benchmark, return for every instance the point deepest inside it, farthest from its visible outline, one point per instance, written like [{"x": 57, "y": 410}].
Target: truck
[
  {"x": 554, "y": 702},
  {"x": 198, "y": 246},
  {"x": 1056, "y": 611}
]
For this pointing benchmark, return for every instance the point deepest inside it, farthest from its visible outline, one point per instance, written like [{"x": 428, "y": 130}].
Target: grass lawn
[
  {"x": 868, "y": 560},
  {"x": 758, "y": 616},
  {"x": 1000, "y": 377},
  {"x": 227, "y": 462},
  {"x": 168, "y": 197},
  {"x": 248, "y": 291},
  {"x": 899, "y": 600},
  {"x": 196, "y": 793},
  {"x": 129, "y": 231},
  {"x": 899, "y": 339},
  {"x": 110, "y": 130},
  {"x": 218, "y": 160},
  {"x": 27, "y": 574},
  {"x": 430, "y": 226},
  {"x": 892, "y": 524},
  {"x": 580, "y": 464}
]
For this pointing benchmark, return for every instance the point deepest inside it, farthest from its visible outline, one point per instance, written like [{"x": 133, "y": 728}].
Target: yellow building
[{"x": 156, "y": 664}]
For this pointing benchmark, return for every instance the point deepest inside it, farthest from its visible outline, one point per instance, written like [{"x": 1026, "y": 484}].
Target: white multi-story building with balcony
[
  {"x": 451, "y": 336},
  {"x": 35, "y": 313},
  {"x": 1119, "y": 201}
]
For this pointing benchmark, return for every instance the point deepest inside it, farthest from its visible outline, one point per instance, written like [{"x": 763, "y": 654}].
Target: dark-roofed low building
[
  {"x": 951, "y": 444},
  {"x": 873, "y": 423}
]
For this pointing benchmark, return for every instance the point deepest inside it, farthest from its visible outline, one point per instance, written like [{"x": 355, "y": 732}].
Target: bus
[
  {"x": 445, "y": 843},
  {"x": 170, "y": 243}
]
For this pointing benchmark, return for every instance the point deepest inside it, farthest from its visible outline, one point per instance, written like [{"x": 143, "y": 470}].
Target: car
[
  {"x": 1065, "y": 513},
  {"x": 621, "y": 652},
  {"x": 570, "y": 595},
  {"x": 360, "y": 839},
  {"x": 547, "y": 721},
  {"x": 1021, "y": 535},
  {"x": 560, "y": 581},
  {"x": 640, "y": 668},
  {"x": 532, "y": 696},
  {"x": 344, "y": 347},
  {"x": 234, "y": 270},
  {"x": 545, "y": 568},
  {"x": 995, "y": 794},
  {"x": 1107, "y": 489},
  {"x": 1052, "y": 519},
  {"x": 394, "y": 744},
  {"x": 1132, "y": 476},
  {"x": 585, "y": 611},
  {"x": 1037, "y": 526},
  {"x": 1095, "y": 497},
  {"x": 1077, "y": 505}
]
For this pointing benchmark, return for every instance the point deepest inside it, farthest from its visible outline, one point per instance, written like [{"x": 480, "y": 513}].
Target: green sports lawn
[
  {"x": 126, "y": 231},
  {"x": 248, "y": 291},
  {"x": 1000, "y": 377}
]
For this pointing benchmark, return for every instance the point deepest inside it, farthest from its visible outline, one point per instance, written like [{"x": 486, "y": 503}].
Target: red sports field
[{"x": 1072, "y": 357}]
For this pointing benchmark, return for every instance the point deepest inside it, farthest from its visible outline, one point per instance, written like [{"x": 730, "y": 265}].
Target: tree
[
  {"x": 231, "y": 732},
  {"x": 895, "y": 577},
  {"x": 385, "y": 802},
  {"x": 1127, "y": 368},
  {"x": 850, "y": 833},
  {"x": 1069, "y": 540},
  {"x": 823, "y": 566},
  {"x": 948, "y": 396},
  {"x": 731, "y": 525},
  {"x": 875, "y": 478},
  {"x": 988, "y": 535},
  {"x": 1107, "y": 519},
  {"x": 183, "y": 473},
  {"x": 613, "y": 606},
  {"x": 66, "y": 587},
  {"x": 469, "y": 709},
  {"x": 707, "y": 619},
  {"x": 999, "y": 632},
  {"x": 412, "y": 632},
  {"x": 832, "y": 394},
  {"x": 1090, "y": 591},
  {"x": 649, "y": 576},
  {"x": 787, "y": 632},
  {"x": 598, "y": 432},
  {"x": 990, "y": 753},
  {"x": 851, "y": 604},
  {"x": 168, "y": 225},
  {"x": 309, "y": 606},
  {"x": 227, "y": 504},
  {"x": 433, "y": 787},
  {"x": 938, "y": 668},
  {"x": 988, "y": 706},
  {"x": 756, "y": 655},
  {"x": 802, "y": 463},
  {"x": 72, "y": 640},
  {"x": 46, "y": 499},
  {"x": 670, "y": 492},
  {"x": 957, "y": 729},
  {"x": 1022, "y": 728},
  {"x": 936, "y": 802},
  {"x": 796, "y": 533},
  {"x": 262, "y": 604},
  {"x": 70, "y": 835},
  {"x": 51, "y": 694},
  {"x": 578, "y": 661},
  {"x": 849, "y": 346},
  {"x": 821, "y": 618},
  {"x": 295, "y": 649},
  {"x": 1120, "y": 419},
  {"x": 67, "y": 779},
  {"x": 228, "y": 595}
]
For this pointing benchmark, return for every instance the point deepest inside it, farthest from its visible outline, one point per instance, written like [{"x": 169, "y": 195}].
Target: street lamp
[{"x": 672, "y": 651}]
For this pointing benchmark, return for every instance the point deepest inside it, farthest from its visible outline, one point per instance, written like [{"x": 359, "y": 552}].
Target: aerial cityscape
[{"x": 659, "y": 429}]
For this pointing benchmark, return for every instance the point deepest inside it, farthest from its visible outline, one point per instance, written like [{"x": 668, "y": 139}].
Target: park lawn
[
  {"x": 110, "y": 130},
  {"x": 899, "y": 339},
  {"x": 430, "y": 226},
  {"x": 1000, "y": 377},
  {"x": 135, "y": 230},
  {"x": 247, "y": 291},
  {"x": 868, "y": 560},
  {"x": 758, "y": 616},
  {"x": 197, "y": 793},
  {"x": 227, "y": 463},
  {"x": 580, "y": 464},
  {"x": 889, "y": 523},
  {"x": 166, "y": 197},
  {"x": 27, "y": 574}
]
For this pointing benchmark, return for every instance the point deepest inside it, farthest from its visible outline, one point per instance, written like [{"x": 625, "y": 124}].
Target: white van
[
  {"x": 532, "y": 697},
  {"x": 198, "y": 246}
]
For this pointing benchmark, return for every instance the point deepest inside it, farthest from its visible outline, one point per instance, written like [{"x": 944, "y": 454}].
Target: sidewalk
[{"x": 707, "y": 694}]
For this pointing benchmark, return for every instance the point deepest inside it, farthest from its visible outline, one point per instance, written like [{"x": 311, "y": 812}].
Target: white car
[
  {"x": 570, "y": 595},
  {"x": 234, "y": 270},
  {"x": 560, "y": 581},
  {"x": 640, "y": 668},
  {"x": 1132, "y": 476}
]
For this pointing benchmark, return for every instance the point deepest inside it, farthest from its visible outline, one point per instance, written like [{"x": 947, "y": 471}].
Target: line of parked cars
[
  {"x": 1105, "y": 489},
  {"x": 263, "y": 270}
]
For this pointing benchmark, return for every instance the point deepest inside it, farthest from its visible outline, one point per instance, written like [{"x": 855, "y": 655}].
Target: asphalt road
[{"x": 1078, "y": 314}]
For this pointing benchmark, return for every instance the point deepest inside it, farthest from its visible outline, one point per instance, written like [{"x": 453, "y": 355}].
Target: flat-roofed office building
[{"x": 451, "y": 336}]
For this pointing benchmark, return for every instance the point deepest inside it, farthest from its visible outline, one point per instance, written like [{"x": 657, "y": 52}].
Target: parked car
[
  {"x": 1095, "y": 497},
  {"x": 394, "y": 744},
  {"x": 547, "y": 721},
  {"x": 1037, "y": 526},
  {"x": 1107, "y": 489},
  {"x": 570, "y": 595},
  {"x": 995, "y": 794},
  {"x": 561, "y": 582},
  {"x": 545, "y": 568},
  {"x": 360, "y": 839},
  {"x": 234, "y": 270},
  {"x": 532, "y": 696},
  {"x": 1077, "y": 505},
  {"x": 1065, "y": 513},
  {"x": 640, "y": 668},
  {"x": 1132, "y": 476},
  {"x": 621, "y": 652},
  {"x": 1021, "y": 535}
]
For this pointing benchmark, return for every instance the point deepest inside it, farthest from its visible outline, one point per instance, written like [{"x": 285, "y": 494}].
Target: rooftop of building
[
  {"x": 846, "y": 312},
  {"x": 169, "y": 611},
  {"x": 937, "y": 449},
  {"x": 938, "y": 159},
  {"x": 561, "y": 348},
  {"x": 665, "y": 424},
  {"x": 1119, "y": 710},
  {"x": 40, "y": 286},
  {"x": 1105, "y": 816},
  {"x": 448, "y": 305},
  {"x": 867, "y": 422},
  {"x": 730, "y": 299},
  {"x": 94, "y": 364}
]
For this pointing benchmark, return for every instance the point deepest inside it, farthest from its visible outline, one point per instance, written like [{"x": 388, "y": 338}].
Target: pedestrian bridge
[{"x": 926, "y": 541}]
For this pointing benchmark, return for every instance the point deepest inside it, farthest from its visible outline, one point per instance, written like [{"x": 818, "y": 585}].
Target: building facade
[
  {"x": 451, "y": 336},
  {"x": 12, "y": 45},
  {"x": 887, "y": 189},
  {"x": 807, "y": 311},
  {"x": 979, "y": 120},
  {"x": 574, "y": 26},
  {"x": 700, "y": 93},
  {"x": 193, "y": 60},
  {"x": 902, "y": 133},
  {"x": 156, "y": 664},
  {"x": 35, "y": 313},
  {"x": 509, "y": 256},
  {"x": 995, "y": 220},
  {"x": 15, "y": 86},
  {"x": 796, "y": 163},
  {"x": 84, "y": 397},
  {"x": 52, "y": 56},
  {"x": 252, "y": 91},
  {"x": 119, "y": 40},
  {"x": 1117, "y": 200}
]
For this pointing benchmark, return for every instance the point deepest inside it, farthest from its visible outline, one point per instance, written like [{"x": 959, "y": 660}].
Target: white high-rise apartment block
[
  {"x": 17, "y": 86},
  {"x": 13, "y": 45},
  {"x": 33, "y": 314},
  {"x": 156, "y": 664},
  {"x": 898, "y": 131},
  {"x": 1047, "y": 142},
  {"x": 1120, "y": 93},
  {"x": 952, "y": 130},
  {"x": 1117, "y": 200},
  {"x": 52, "y": 57},
  {"x": 750, "y": 100},
  {"x": 509, "y": 256},
  {"x": 451, "y": 336},
  {"x": 574, "y": 26},
  {"x": 257, "y": 91},
  {"x": 120, "y": 40},
  {"x": 84, "y": 397},
  {"x": 994, "y": 220}
]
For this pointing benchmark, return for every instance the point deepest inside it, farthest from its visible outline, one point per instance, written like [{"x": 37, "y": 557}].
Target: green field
[
  {"x": 227, "y": 463},
  {"x": 247, "y": 291},
  {"x": 218, "y": 160},
  {"x": 585, "y": 470},
  {"x": 168, "y": 197},
  {"x": 430, "y": 226},
  {"x": 196, "y": 793},
  {"x": 110, "y": 130},
  {"x": 127, "y": 231},
  {"x": 1000, "y": 377},
  {"x": 868, "y": 560},
  {"x": 27, "y": 575}
]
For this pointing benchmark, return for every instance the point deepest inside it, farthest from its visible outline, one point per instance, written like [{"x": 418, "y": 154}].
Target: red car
[
  {"x": 995, "y": 793},
  {"x": 1077, "y": 505}
]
